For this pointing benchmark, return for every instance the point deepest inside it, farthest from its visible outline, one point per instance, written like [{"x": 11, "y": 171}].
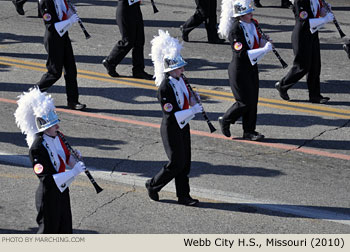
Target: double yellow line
[{"x": 213, "y": 94}]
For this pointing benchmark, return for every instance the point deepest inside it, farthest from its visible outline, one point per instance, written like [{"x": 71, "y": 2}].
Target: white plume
[
  {"x": 226, "y": 18},
  {"x": 32, "y": 104},
  {"x": 163, "y": 46}
]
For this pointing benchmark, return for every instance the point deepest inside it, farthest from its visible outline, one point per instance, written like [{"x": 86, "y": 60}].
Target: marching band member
[
  {"x": 19, "y": 6},
  {"x": 37, "y": 119},
  {"x": 130, "y": 23},
  {"x": 248, "y": 48},
  {"x": 58, "y": 18},
  {"x": 175, "y": 100},
  {"x": 310, "y": 16},
  {"x": 205, "y": 12}
]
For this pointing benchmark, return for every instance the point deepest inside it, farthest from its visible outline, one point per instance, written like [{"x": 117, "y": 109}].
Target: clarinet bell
[
  {"x": 155, "y": 10},
  {"x": 211, "y": 127},
  {"x": 98, "y": 188}
]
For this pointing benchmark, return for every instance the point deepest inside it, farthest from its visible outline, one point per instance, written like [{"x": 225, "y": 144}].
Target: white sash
[
  {"x": 54, "y": 148},
  {"x": 180, "y": 89},
  {"x": 60, "y": 8},
  {"x": 250, "y": 33},
  {"x": 315, "y": 5}
]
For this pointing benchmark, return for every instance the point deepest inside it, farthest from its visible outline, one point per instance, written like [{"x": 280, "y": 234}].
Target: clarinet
[
  {"x": 155, "y": 10},
  {"x": 76, "y": 157},
  {"x": 211, "y": 127},
  {"x": 71, "y": 6},
  {"x": 283, "y": 63},
  {"x": 341, "y": 33}
]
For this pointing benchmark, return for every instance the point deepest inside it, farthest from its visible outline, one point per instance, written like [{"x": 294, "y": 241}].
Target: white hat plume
[
  {"x": 31, "y": 105},
  {"x": 163, "y": 46},
  {"x": 226, "y": 18}
]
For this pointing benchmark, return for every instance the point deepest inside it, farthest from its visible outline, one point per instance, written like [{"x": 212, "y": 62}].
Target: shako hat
[
  {"x": 229, "y": 10},
  {"x": 35, "y": 113},
  {"x": 165, "y": 54}
]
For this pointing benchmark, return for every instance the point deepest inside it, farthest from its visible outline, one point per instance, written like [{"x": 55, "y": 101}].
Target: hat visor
[
  {"x": 244, "y": 12},
  {"x": 49, "y": 125},
  {"x": 176, "y": 66}
]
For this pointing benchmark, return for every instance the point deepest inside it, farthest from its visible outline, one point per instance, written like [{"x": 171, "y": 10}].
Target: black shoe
[
  {"x": 19, "y": 7},
  {"x": 76, "y": 105},
  {"x": 216, "y": 41},
  {"x": 187, "y": 201},
  {"x": 110, "y": 68},
  {"x": 253, "y": 136},
  {"x": 225, "y": 127},
  {"x": 184, "y": 36},
  {"x": 320, "y": 99},
  {"x": 286, "y": 4},
  {"x": 346, "y": 47},
  {"x": 142, "y": 75},
  {"x": 151, "y": 193},
  {"x": 257, "y": 3},
  {"x": 283, "y": 93}
]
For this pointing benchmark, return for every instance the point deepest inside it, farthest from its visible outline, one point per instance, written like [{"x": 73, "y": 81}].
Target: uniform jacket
[
  {"x": 168, "y": 102},
  {"x": 49, "y": 14},
  {"x": 50, "y": 202},
  {"x": 302, "y": 13},
  {"x": 244, "y": 80}
]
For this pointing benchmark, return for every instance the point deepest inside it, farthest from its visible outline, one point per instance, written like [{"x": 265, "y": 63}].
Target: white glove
[
  {"x": 329, "y": 17},
  {"x": 73, "y": 19},
  {"x": 78, "y": 168},
  {"x": 268, "y": 47},
  {"x": 197, "y": 108}
]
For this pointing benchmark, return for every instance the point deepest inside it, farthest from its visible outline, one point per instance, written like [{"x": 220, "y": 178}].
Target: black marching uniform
[
  {"x": 177, "y": 144},
  {"x": 244, "y": 81},
  {"x": 131, "y": 26},
  {"x": 19, "y": 6},
  {"x": 60, "y": 54},
  {"x": 205, "y": 12},
  {"x": 54, "y": 209},
  {"x": 286, "y": 3},
  {"x": 307, "y": 56}
]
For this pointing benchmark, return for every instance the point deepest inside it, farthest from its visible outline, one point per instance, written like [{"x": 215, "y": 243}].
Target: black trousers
[
  {"x": 54, "y": 210},
  {"x": 245, "y": 89},
  {"x": 307, "y": 62},
  {"x": 60, "y": 55},
  {"x": 131, "y": 27},
  {"x": 205, "y": 12},
  {"x": 285, "y": 2},
  {"x": 178, "y": 149}
]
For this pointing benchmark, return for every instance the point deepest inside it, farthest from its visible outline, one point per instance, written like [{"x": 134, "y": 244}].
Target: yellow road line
[{"x": 214, "y": 94}]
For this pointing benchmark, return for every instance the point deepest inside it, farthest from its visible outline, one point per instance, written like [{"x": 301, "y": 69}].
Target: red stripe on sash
[
  {"x": 62, "y": 165},
  {"x": 66, "y": 151}
]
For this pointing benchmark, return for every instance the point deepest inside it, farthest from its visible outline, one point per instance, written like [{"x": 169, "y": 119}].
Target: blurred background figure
[
  {"x": 19, "y": 6},
  {"x": 284, "y": 4},
  {"x": 131, "y": 27},
  {"x": 205, "y": 12}
]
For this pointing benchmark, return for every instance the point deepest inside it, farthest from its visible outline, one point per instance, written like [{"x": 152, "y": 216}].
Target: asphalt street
[{"x": 296, "y": 181}]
